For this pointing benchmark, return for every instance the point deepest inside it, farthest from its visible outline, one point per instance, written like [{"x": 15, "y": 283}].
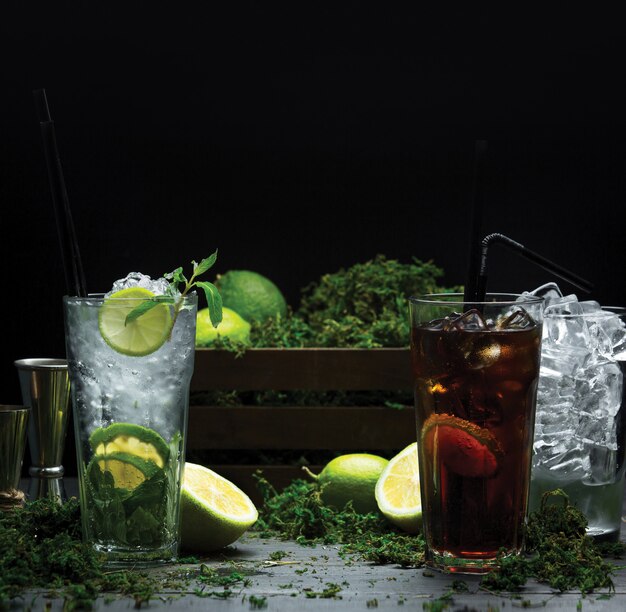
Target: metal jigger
[
  {"x": 46, "y": 389},
  {"x": 13, "y": 420}
]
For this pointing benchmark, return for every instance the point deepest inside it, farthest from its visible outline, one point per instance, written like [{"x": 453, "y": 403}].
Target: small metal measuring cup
[
  {"x": 45, "y": 388},
  {"x": 13, "y": 421}
]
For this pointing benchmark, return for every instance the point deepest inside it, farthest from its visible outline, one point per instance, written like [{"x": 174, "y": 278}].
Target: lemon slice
[
  {"x": 130, "y": 439},
  {"x": 398, "y": 491},
  {"x": 214, "y": 512},
  {"x": 143, "y": 335}
]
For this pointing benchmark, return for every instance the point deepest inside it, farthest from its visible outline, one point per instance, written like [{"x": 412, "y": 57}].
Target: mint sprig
[{"x": 177, "y": 278}]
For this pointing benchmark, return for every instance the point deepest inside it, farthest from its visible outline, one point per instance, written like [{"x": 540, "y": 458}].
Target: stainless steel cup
[
  {"x": 46, "y": 389},
  {"x": 13, "y": 421}
]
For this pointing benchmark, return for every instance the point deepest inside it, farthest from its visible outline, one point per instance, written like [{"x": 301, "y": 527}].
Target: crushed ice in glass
[
  {"x": 583, "y": 359},
  {"x": 158, "y": 286}
]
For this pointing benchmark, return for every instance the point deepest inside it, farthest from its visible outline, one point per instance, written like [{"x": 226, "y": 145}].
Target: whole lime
[
  {"x": 352, "y": 478},
  {"x": 252, "y": 295},
  {"x": 232, "y": 326}
]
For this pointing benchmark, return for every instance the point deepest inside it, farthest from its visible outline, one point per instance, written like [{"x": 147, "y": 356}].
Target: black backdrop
[{"x": 304, "y": 138}]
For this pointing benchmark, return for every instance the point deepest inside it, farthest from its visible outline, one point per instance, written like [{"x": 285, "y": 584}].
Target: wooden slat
[
  {"x": 316, "y": 369},
  {"x": 297, "y": 427}
]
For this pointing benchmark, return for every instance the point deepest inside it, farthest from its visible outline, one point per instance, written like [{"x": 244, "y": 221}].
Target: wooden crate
[{"x": 271, "y": 428}]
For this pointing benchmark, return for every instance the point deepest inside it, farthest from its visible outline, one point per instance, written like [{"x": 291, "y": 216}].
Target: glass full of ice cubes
[
  {"x": 130, "y": 419},
  {"x": 580, "y": 424}
]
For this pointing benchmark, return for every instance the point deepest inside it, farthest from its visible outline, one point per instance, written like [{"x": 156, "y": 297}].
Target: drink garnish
[
  {"x": 176, "y": 277},
  {"x": 137, "y": 337},
  {"x": 136, "y": 322},
  {"x": 465, "y": 448},
  {"x": 131, "y": 439}
]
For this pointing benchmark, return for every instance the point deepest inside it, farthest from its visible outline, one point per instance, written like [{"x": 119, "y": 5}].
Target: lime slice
[
  {"x": 464, "y": 447},
  {"x": 128, "y": 471},
  {"x": 143, "y": 335},
  {"x": 130, "y": 439},
  {"x": 215, "y": 512},
  {"x": 398, "y": 491}
]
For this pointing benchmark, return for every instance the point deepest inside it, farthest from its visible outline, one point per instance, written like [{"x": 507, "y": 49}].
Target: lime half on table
[{"x": 138, "y": 337}]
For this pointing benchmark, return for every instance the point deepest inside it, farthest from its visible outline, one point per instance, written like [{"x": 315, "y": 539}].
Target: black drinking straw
[
  {"x": 70, "y": 255},
  {"x": 476, "y": 219},
  {"x": 548, "y": 265}
]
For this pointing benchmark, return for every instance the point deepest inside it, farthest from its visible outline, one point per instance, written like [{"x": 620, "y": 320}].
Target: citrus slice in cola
[{"x": 463, "y": 447}]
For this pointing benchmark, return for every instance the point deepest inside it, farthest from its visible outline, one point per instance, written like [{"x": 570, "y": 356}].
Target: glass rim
[
  {"x": 510, "y": 299},
  {"x": 100, "y": 297},
  {"x": 41, "y": 363},
  {"x": 13, "y": 408}
]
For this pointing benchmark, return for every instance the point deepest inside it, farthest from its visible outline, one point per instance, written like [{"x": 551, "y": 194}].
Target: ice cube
[
  {"x": 549, "y": 291},
  {"x": 471, "y": 320},
  {"x": 159, "y": 286},
  {"x": 518, "y": 318}
]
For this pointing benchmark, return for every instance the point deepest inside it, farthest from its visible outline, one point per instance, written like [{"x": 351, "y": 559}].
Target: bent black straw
[
  {"x": 545, "y": 263},
  {"x": 476, "y": 219},
  {"x": 70, "y": 255}
]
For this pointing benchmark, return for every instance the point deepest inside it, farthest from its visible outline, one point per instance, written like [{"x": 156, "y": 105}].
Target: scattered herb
[
  {"x": 561, "y": 554},
  {"x": 331, "y": 591},
  {"x": 298, "y": 513},
  {"x": 257, "y": 602}
]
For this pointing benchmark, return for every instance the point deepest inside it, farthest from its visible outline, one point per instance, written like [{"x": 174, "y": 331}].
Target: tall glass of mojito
[
  {"x": 475, "y": 371},
  {"x": 130, "y": 358}
]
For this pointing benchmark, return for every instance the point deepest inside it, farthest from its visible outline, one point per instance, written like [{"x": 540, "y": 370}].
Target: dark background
[{"x": 302, "y": 138}]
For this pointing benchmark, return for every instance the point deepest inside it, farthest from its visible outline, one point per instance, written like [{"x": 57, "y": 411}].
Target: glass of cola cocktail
[
  {"x": 580, "y": 430},
  {"x": 475, "y": 371}
]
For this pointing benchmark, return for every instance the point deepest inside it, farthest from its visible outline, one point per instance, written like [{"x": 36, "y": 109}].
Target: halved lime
[
  {"x": 141, "y": 336},
  {"x": 128, "y": 471},
  {"x": 131, "y": 439},
  {"x": 398, "y": 491},
  {"x": 214, "y": 512}
]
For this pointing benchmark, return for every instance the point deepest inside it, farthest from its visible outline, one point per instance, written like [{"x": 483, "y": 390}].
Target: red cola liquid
[{"x": 475, "y": 402}]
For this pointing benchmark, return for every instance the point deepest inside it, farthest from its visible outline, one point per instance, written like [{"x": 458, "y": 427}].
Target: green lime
[
  {"x": 131, "y": 439},
  {"x": 214, "y": 512},
  {"x": 253, "y": 296},
  {"x": 127, "y": 471},
  {"x": 143, "y": 335},
  {"x": 232, "y": 326},
  {"x": 351, "y": 478}
]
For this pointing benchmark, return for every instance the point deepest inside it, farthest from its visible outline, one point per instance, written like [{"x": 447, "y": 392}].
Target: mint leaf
[
  {"x": 146, "y": 306},
  {"x": 214, "y": 301},
  {"x": 177, "y": 276},
  {"x": 204, "y": 265}
]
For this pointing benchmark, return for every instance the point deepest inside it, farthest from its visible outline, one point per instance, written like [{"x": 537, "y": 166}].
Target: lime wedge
[
  {"x": 398, "y": 491},
  {"x": 128, "y": 471},
  {"x": 130, "y": 439},
  {"x": 143, "y": 335},
  {"x": 214, "y": 512}
]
